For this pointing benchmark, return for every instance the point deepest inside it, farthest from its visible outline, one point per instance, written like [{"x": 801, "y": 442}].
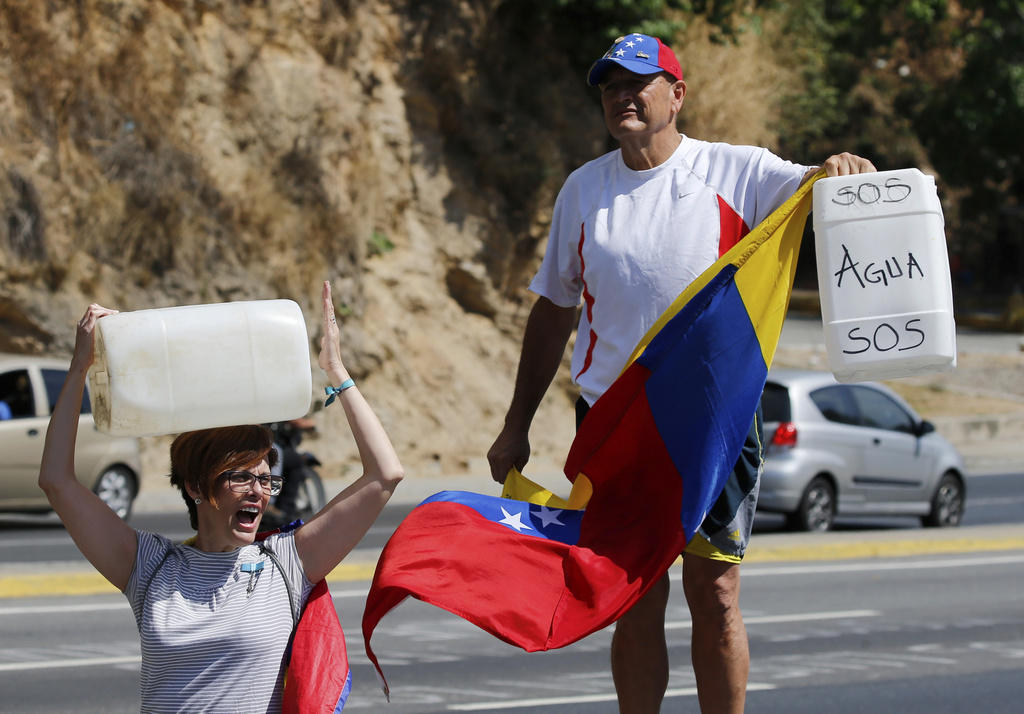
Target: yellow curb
[
  {"x": 880, "y": 549},
  {"x": 49, "y": 584},
  {"x": 348, "y": 572},
  {"x": 92, "y": 583}
]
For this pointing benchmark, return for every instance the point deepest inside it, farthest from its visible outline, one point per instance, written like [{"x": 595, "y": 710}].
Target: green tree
[{"x": 937, "y": 84}]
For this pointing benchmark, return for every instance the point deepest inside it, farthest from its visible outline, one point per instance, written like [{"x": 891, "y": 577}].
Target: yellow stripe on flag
[{"x": 521, "y": 488}]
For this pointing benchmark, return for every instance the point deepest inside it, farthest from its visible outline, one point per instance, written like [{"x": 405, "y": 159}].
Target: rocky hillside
[{"x": 170, "y": 152}]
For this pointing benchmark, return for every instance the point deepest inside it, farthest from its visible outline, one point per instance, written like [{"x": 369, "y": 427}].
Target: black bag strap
[{"x": 266, "y": 550}]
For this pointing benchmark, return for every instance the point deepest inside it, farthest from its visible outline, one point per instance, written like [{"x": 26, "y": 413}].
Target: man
[{"x": 630, "y": 231}]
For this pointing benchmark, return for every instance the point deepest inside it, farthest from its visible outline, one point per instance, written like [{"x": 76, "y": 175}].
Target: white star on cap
[
  {"x": 514, "y": 521},
  {"x": 549, "y": 516},
  {"x": 630, "y": 44},
  {"x": 620, "y": 52}
]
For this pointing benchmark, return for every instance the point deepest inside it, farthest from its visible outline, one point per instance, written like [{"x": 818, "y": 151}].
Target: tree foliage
[{"x": 937, "y": 84}]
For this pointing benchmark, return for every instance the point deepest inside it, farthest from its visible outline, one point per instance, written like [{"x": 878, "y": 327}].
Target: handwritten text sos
[
  {"x": 884, "y": 337},
  {"x": 867, "y": 193}
]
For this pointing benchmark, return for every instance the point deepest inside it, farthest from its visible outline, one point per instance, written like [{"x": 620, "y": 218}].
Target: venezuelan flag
[
  {"x": 693, "y": 383},
  {"x": 652, "y": 456}
]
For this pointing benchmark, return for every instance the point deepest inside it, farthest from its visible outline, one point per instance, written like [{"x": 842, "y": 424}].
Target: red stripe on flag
[{"x": 631, "y": 531}]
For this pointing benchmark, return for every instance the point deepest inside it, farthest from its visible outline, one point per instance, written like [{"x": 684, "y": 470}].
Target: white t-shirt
[
  {"x": 629, "y": 242},
  {"x": 208, "y": 644}
]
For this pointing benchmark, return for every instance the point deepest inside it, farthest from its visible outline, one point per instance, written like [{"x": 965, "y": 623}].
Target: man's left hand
[{"x": 845, "y": 163}]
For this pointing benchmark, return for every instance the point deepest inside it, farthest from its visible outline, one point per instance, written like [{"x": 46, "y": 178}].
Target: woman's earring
[{"x": 198, "y": 501}]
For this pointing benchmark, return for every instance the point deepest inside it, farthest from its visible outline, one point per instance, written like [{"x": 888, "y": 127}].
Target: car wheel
[
  {"x": 116, "y": 487},
  {"x": 817, "y": 507},
  {"x": 947, "y": 503}
]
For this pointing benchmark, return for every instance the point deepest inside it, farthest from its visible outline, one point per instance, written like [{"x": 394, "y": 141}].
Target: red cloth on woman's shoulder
[{"x": 317, "y": 679}]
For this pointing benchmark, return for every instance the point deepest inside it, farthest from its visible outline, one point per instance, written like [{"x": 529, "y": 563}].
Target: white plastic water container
[
  {"x": 176, "y": 369},
  {"x": 883, "y": 275}
]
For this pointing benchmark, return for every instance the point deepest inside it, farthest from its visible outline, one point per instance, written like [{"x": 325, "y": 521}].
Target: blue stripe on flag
[
  {"x": 344, "y": 693},
  {"x": 562, "y": 525},
  {"x": 711, "y": 371}
]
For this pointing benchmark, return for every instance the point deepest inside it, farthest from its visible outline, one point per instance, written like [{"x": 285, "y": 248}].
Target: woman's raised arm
[
  {"x": 105, "y": 540},
  {"x": 338, "y": 527}
]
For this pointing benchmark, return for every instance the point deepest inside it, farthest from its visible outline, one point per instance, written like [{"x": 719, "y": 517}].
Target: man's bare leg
[
  {"x": 639, "y": 653},
  {"x": 721, "y": 658}
]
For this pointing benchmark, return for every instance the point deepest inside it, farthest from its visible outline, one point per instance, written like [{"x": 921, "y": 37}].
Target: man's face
[{"x": 637, "y": 104}]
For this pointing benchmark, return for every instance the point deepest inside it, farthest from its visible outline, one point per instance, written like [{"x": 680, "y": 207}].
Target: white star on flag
[
  {"x": 549, "y": 516},
  {"x": 620, "y": 52},
  {"x": 514, "y": 521}
]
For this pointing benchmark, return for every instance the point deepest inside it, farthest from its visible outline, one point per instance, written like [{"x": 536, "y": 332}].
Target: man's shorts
[{"x": 725, "y": 531}]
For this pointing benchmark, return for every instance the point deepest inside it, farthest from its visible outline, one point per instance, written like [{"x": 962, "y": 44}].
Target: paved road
[
  {"x": 879, "y": 615},
  {"x": 35, "y": 542},
  {"x": 915, "y": 633}
]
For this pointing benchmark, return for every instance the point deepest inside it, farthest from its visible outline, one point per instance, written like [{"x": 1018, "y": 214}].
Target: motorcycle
[{"x": 303, "y": 492}]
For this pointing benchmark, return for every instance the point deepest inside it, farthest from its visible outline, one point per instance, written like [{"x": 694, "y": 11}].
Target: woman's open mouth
[{"x": 248, "y": 517}]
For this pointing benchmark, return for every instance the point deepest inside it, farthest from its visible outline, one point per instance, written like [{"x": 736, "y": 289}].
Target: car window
[
  {"x": 879, "y": 411},
  {"x": 16, "y": 395},
  {"x": 54, "y": 380},
  {"x": 775, "y": 403},
  {"x": 835, "y": 404}
]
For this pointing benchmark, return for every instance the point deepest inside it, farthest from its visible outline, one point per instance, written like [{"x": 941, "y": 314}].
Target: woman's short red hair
[{"x": 198, "y": 457}]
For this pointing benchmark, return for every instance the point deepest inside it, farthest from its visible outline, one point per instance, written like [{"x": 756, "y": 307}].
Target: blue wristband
[{"x": 335, "y": 391}]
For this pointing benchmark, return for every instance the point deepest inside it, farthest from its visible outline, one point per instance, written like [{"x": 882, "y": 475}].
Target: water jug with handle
[
  {"x": 175, "y": 369},
  {"x": 883, "y": 275}
]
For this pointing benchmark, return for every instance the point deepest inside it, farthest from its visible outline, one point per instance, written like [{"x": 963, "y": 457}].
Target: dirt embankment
[{"x": 171, "y": 153}]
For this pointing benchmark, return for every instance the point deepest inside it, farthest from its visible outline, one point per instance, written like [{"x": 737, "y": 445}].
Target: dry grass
[{"x": 732, "y": 90}]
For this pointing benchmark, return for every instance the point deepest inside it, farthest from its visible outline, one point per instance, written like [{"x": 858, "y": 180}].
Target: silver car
[
  {"x": 29, "y": 386},
  {"x": 853, "y": 449}
]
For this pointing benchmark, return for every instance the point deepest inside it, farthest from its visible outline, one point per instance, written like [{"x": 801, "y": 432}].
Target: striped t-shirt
[{"x": 214, "y": 635}]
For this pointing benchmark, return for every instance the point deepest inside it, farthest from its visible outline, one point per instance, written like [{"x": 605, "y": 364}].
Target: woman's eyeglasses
[{"x": 242, "y": 481}]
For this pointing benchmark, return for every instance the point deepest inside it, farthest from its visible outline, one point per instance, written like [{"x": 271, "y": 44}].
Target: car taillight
[{"x": 785, "y": 434}]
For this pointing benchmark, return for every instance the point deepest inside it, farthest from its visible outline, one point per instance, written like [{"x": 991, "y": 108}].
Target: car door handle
[{"x": 33, "y": 432}]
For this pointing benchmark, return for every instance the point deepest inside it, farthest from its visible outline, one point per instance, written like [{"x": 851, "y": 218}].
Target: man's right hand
[
  {"x": 547, "y": 332},
  {"x": 510, "y": 449}
]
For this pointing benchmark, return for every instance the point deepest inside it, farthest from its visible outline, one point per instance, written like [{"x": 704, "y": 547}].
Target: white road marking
[
  {"x": 349, "y": 593},
  {"x": 796, "y": 617},
  {"x": 50, "y": 609},
  {"x": 577, "y": 699},
  {"x": 81, "y": 662},
  {"x": 876, "y": 565}
]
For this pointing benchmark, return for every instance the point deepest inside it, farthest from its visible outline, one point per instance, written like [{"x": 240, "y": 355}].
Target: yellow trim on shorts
[{"x": 702, "y": 548}]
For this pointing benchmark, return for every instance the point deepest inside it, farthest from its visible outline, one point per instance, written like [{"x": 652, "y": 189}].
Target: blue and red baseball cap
[{"x": 638, "y": 53}]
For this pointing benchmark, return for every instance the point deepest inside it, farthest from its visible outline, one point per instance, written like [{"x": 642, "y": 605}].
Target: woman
[{"x": 215, "y": 617}]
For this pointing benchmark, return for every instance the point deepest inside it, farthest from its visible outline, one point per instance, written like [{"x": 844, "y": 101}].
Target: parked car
[
  {"x": 109, "y": 465},
  {"x": 845, "y": 449}
]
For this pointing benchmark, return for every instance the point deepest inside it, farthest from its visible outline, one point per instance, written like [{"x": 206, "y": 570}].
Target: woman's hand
[
  {"x": 105, "y": 540},
  {"x": 330, "y": 343},
  {"x": 85, "y": 335},
  {"x": 339, "y": 526}
]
